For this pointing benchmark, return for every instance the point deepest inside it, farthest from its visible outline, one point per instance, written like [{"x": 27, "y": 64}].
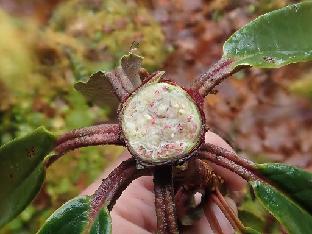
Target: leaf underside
[{"x": 99, "y": 88}]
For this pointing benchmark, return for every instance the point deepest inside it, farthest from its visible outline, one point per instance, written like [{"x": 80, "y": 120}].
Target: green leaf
[
  {"x": 252, "y": 214},
  {"x": 22, "y": 171},
  {"x": 274, "y": 39},
  {"x": 102, "y": 224},
  {"x": 296, "y": 183},
  {"x": 249, "y": 219},
  {"x": 73, "y": 217},
  {"x": 295, "y": 219}
]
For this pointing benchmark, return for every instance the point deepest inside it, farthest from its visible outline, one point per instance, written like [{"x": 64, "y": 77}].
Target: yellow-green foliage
[
  {"x": 108, "y": 28},
  {"x": 15, "y": 53}
]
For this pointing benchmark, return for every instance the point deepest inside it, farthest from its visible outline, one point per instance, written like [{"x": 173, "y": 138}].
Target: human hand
[{"x": 134, "y": 212}]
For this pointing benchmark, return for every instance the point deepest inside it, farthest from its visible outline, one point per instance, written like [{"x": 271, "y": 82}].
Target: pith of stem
[
  {"x": 116, "y": 182},
  {"x": 164, "y": 201}
]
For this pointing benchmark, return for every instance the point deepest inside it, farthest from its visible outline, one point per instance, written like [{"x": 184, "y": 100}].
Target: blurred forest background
[{"x": 47, "y": 45}]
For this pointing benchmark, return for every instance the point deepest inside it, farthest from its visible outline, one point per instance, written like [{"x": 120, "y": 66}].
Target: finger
[
  {"x": 136, "y": 204},
  {"x": 232, "y": 180},
  {"x": 121, "y": 225},
  {"x": 201, "y": 226}
]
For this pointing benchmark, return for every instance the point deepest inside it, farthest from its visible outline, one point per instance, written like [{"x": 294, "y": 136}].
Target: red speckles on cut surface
[{"x": 161, "y": 122}]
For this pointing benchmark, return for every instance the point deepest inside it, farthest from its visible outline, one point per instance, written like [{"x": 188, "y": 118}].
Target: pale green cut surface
[{"x": 161, "y": 122}]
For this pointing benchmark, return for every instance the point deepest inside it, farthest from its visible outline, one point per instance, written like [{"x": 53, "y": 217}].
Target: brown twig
[
  {"x": 211, "y": 216},
  {"x": 223, "y": 162},
  {"x": 198, "y": 174},
  {"x": 90, "y": 136},
  {"x": 164, "y": 201},
  {"x": 120, "y": 83},
  {"x": 214, "y": 76},
  {"x": 217, "y": 150},
  {"x": 224, "y": 211},
  {"x": 92, "y": 140},
  {"x": 81, "y": 132},
  {"x": 231, "y": 216},
  {"x": 116, "y": 182}
]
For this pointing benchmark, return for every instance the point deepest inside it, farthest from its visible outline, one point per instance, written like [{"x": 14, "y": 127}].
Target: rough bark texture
[
  {"x": 164, "y": 201},
  {"x": 89, "y": 136},
  {"x": 197, "y": 174},
  {"x": 230, "y": 165},
  {"x": 217, "y": 150},
  {"x": 214, "y": 76},
  {"x": 116, "y": 182}
]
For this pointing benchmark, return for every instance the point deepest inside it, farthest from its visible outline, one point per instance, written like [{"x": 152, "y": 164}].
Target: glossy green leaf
[
  {"x": 295, "y": 219},
  {"x": 73, "y": 217},
  {"x": 296, "y": 183},
  {"x": 22, "y": 171},
  {"x": 274, "y": 39},
  {"x": 102, "y": 224}
]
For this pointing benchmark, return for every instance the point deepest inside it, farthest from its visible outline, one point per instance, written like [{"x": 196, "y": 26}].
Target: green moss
[
  {"x": 107, "y": 29},
  {"x": 16, "y": 56}
]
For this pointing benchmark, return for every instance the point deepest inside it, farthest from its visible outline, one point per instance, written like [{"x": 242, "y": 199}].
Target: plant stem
[
  {"x": 164, "y": 201},
  {"x": 224, "y": 211},
  {"x": 210, "y": 215},
  {"x": 228, "y": 211},
  {"x": 217, "y": 150},
  {"x": 232, "y": 166},
  {"x": 116, "y": 182},
  {"x": 197, "y": 175},
  {"x": 214, "y": 76},
  {"x": 90, "y": 136},
  {"x": 118, "y": 83},
  {"x": 87, "y": 131},
  {"x": 92, "y": 140}
]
